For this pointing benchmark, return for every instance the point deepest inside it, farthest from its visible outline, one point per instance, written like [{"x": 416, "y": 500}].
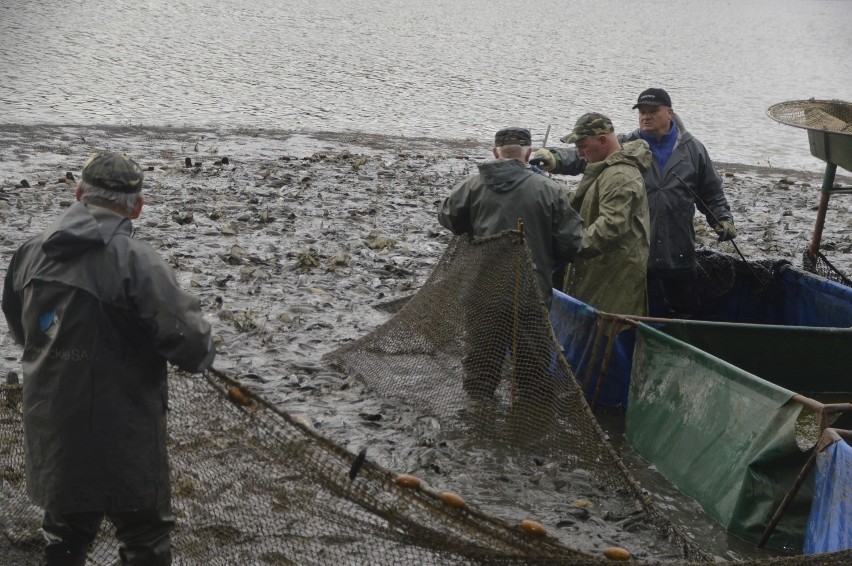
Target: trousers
[
  {"x": 673, "y": 293},
  {"x": 145, "y": 536}
]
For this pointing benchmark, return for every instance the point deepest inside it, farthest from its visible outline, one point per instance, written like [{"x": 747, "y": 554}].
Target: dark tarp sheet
[
  {"x": 800, "y": 358},
  {"x": 720, "y": 434},
  {"x": 830, "y": 523}
]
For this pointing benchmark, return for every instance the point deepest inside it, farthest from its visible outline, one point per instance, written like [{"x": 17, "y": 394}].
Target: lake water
[{"x": 443, "y": 68}]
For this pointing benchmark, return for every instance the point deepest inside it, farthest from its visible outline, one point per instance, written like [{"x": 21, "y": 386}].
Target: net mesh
[
  {"x": 829, "y": 115},
  {"x": 716, "y": 273},
  {"x": 253, "y": 485},
  {"x": 820, "y": 265}
]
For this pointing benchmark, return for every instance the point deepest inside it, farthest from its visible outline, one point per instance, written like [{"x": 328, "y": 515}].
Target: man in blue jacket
[
  {"x": 678, "y": 156},
  {"x": 99, "y": 314}
]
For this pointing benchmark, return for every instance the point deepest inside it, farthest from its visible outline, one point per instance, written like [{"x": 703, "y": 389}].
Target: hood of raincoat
[
  {"x": 83, "y": 227},
  {"x": 634, "y": 152},
  {"x": 502, "y": 175}
]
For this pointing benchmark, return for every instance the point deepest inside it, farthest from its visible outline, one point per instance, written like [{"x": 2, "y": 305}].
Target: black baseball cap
[{"x": 653, "y": 97}]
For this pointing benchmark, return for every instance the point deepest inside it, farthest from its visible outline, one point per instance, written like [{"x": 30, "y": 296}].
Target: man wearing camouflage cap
[
  {"x": 491, "y": 202},
  {"x": 609, "y": 271},
  {"x": 99, "y": 315},
  {"x": 677, "y": 153}
]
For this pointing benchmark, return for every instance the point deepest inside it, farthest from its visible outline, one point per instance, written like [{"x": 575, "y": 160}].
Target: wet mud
[{"x": 291, "y": 240}]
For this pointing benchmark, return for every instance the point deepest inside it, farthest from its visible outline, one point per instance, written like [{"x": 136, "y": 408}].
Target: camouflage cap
[
  {"x": 113, "y": 172},
  {"x": 591, "y": 124},
  {"x": 512, "y": 136}
]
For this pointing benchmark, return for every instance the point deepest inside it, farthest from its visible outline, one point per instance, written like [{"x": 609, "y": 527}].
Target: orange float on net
[
  {"x": 408, "y": 481},
  {"x": 238, "y": 396},
  {"x": 533, "y": 528},
  {"x": 617, "y": 553},
  {"x": 452, "y": 499}
]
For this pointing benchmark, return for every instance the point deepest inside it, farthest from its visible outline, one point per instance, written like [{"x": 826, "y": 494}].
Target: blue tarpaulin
[
  {"x": 576, "y": 325},
  {"x": 793, "y": 298},
  {"x": 830, "y": 523},
  {"x": 811, "y": 316}
]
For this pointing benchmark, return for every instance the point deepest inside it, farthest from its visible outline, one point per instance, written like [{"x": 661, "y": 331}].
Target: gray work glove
[
  {"x": 544, "y": 158},
  {"x": 726, "y": 230}
]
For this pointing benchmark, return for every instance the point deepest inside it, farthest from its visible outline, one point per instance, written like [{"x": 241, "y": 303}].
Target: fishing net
[
  {"x": 820, "y": 265},
  {"x": 253, "y": 485},
  {"x": 716, "y": 273},
  {"x": 475, "y": 348}
]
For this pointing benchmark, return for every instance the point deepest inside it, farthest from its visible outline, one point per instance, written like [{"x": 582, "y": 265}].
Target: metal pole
[
  {"x": 592, "y": 360},
  {"x": 613, "y": 325},
  {"x": 787, "y": 498},
  {"x": 513, "y": 393},
  {"x": 827, "y": 185},
  {"x": 546, "y": 135}
]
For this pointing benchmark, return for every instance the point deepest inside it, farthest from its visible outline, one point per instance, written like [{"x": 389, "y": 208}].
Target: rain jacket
[
  {"x": 504, "y": 191},
  {"x": 610, "y": 270},
  {"x": 98, "y": 314},
  {"x": 671, "y": 205}
]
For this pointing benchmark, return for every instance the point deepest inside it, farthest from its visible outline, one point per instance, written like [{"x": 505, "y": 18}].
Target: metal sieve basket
[
  {"x": 829, "y": 126},
  {"x": 827, "y": 115}
]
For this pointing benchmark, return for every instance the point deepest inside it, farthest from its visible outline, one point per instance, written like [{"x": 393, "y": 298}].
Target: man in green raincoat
[
  {"x": 609, "y": 272},
  {"x": 488, "y": 203}
]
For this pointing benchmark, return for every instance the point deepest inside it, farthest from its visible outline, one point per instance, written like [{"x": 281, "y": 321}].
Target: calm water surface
[{"x": 441, "y": 68}]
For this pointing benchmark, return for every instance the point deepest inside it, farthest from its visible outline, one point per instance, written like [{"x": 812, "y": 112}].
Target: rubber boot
[
  {"x": 65, "y": 554},
  {"x": 68, "y": 537},
  {"x": 146, "y": 555}
]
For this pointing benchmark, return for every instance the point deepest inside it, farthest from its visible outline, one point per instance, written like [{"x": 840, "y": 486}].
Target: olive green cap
[{"x": 113, "y": 172}]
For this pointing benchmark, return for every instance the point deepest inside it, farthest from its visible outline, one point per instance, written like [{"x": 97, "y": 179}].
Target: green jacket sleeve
[
  {"x": 454, "y": 212},
  {"x": 618, "y": 191}
]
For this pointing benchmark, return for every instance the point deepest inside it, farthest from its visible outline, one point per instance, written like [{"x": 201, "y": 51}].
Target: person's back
[
  {"x": 99, "y": 315},
  {"x": 486, "y": 204},
  {"x": 506, "y": 191}
]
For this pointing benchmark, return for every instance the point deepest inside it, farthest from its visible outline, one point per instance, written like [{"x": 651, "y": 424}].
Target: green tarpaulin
[{"x": 724, "y": 436}]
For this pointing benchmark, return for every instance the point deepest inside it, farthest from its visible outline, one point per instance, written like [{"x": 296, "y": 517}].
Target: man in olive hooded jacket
[
  {"x": 99, "y": 314},
  {"x": 609, "y": 272}
]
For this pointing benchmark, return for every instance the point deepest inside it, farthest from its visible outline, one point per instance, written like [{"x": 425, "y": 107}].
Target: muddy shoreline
[{"x": 294, "y": 239}]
